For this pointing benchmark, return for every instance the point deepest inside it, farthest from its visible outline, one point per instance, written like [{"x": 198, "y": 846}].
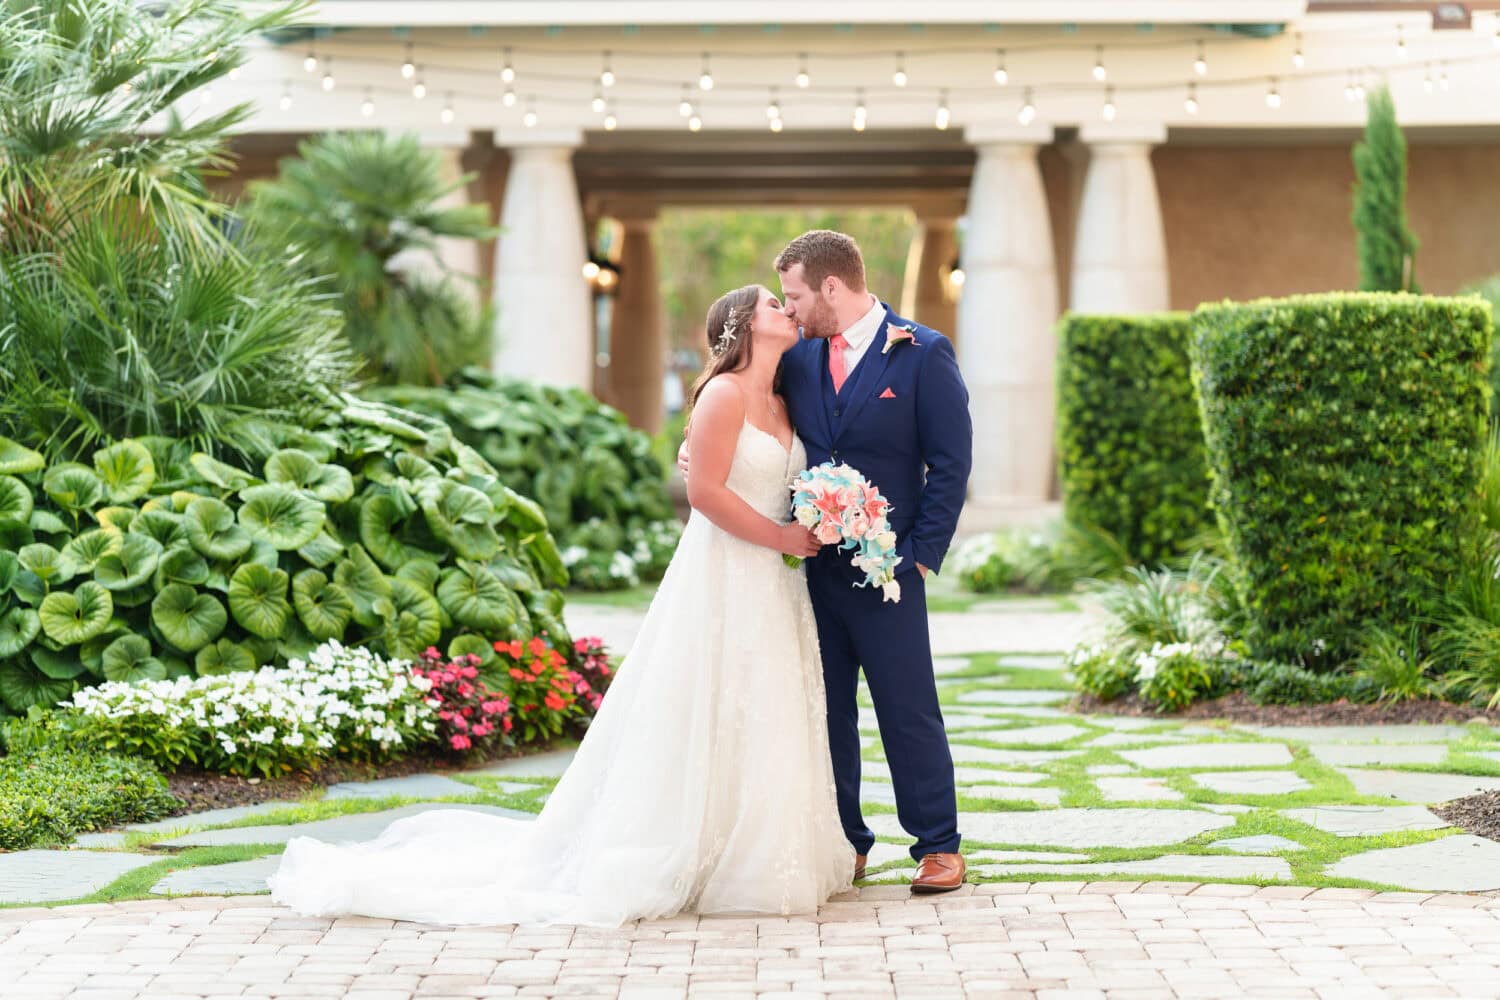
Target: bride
[{"x": 704, "y": 784}]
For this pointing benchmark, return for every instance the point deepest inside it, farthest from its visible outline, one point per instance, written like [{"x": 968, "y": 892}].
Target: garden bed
[
  {"x": 1476, "y": 814},
  {"x": 198, "y": 791},
  {"x": 1237, "y": 707}
]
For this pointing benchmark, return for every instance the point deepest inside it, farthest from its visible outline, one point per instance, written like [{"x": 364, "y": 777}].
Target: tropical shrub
[
  {"x": 1050, "y": 559},
  {"x": 1395, "y": 667},
  {"x": 1288, "y": 684},
  {"x": 155, "y": 562},
  {"x": 48, "y": 797},
  {"x": 1344, "y": 436},
  {"x": 357, "y": 204},
  {"x": 124, "y": 310},
  {"x": 596, "y": 477},
  {"x": 1130, "y": 442}
]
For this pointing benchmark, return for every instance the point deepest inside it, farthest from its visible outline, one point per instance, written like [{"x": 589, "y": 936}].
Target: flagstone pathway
[{"x": 1272, "y": 859}]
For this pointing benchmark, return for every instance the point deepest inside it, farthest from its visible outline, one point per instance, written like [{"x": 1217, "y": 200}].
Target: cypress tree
[{"x": 1387, "y": 248}]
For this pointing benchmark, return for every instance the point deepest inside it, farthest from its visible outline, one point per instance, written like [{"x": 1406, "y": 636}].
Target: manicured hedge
[
  {"x": 1130, "y": 445},
  {"x": 1344, "y": 438},
  {"x": 47, "y": 796}
]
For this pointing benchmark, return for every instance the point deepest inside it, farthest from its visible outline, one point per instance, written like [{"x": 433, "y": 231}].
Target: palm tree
[{"x": 359, "y": 203}]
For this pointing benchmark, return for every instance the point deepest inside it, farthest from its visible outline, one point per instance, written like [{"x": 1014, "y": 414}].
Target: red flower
[
  {"x": 515, "y": 649},
  {"x": 555, "y": 702},
  {"x": 537, "y": 646},
  {"x": 460, "y": 742},
  {"x": 537, "y": 666},
  {"x": 508, "y": 724},
  {"x": 517, "y": 674}
]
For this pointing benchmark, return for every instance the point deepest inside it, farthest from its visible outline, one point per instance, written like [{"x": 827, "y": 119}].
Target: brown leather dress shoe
[
  {"x": 859, "y": 866},
  {"x": 939, "y": 873}
]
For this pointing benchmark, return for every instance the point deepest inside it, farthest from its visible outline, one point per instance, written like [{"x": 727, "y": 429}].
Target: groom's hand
[{"x": 923, "y": 570}]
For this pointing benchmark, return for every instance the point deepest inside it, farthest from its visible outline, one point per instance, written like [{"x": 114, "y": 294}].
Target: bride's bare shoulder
[{"x": 721, "y": 398}]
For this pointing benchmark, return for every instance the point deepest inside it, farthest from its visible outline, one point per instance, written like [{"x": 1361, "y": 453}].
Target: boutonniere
[{"x": 898, "y": 334}]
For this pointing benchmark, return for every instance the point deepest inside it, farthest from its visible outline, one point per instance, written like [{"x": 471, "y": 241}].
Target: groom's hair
[{"x": 822, "y": 252}]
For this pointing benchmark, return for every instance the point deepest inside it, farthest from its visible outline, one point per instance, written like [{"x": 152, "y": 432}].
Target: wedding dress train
[{"x": 703, "y": 785}]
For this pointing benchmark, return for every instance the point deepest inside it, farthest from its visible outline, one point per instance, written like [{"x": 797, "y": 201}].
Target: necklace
[{"x": 771, "y": 402}]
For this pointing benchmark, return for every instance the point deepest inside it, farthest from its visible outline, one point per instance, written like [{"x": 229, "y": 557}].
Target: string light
[
  {"x": 1001, "y": 76},
  {"x": 606, "y": 75},
  {"x": 367, "y": 106},
  {"x": 1442, "y": 76},
  {"x": 446, "y": 115},
  {"x": 1349, "y": 88},
  {"x": 1297, "y": 57},
  {"x": 1099, "y": 71},
  {"x": 899, "y": 77},
  {"x": 419, "y": 89},
  {"x": 509, "y": 97},
  {"x": 610, "y": 121},
  {"x": 1359, "y": 88},
  {"x": 1108, "y": 111},
  {"x": 1191, "y": 104},
  {"x": 706, "y": 78},
  {"x": 860, "y": 113},
  {"x": 1427, "y": 83},
  {"x": 1027, "y": 113},
  {"x": 775, "y": 125},
  {"x": 1200, "y": 64},
  {"x": 598, "y": 102},
  {"x": 286, "y": 97},
  {"x": 408, "y": 68},
  {"x": 803, "y": 80},
  {"x": 1400, "y": 41},
  {"x": 507, "y": 72},
  {"x": 773, "y": 106},
  {"x": 685, "y": 106},
  {"x": 695, "y": 123},
  {"x": 940, "y": 121},
  {"x": 529, "y": 119},
  {"x": 311, "y": 62},
  {"x": 1273, "y": 96},
  {"x": 328, "y": 73}
]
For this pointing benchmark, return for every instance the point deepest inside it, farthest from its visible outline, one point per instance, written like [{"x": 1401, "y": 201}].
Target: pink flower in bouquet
[{"x": 829, "y": 531}]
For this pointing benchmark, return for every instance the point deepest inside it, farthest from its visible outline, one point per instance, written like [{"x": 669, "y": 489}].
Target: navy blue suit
[{"x": 902, "y": 420}]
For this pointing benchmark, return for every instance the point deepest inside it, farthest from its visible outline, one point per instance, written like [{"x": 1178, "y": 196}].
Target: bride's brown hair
[{"x": 728, "y": 331}]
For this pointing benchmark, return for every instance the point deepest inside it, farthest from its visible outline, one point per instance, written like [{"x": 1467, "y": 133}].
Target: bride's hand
[{"x": 798, "y": 541}]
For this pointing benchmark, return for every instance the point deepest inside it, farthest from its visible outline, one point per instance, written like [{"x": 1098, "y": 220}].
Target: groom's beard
[{"x": 820, "y": 322}]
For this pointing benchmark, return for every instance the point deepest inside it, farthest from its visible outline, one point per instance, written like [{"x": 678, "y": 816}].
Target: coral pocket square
[{"x": 888, "y": 394}]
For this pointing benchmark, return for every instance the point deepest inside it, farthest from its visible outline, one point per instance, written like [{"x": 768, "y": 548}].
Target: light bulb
[
  {"x": 1108, "y": 111},
  {"x": 803, "y": 80},
  {"x": 286, "y": 101},
  {"x": 446, "y": 115},
  {"x": 1200, "y": 64},
  {"x": 1002, "y": 77},
  {"x": 773, "y": 109},
  {"x": 1297, "y": 58},
  {"x": 1099, "y": 71},
  {"x": 408, "y": 68},
  {"x": 419, "y": 89},
  {"x": 328, "y": 81},
  {"x": 606, "y": 75},
  {"x": 507, "y": 72},
  {"x": 1427, "y": 83},
  {"x": 899, "y": 77},
  {"x": 1191, "y": 104},
  {"x": 610, "y": 122},
  {"x": 529, "y": 119},
  {"x": 590, "y": 270},
  {"x": 310, "y": 63},
  {"x": 774, "y": 125},
  {"x": 684, "y": 106},
  {"x": 1443, "y": 78},
  {"x": 1273, "y": 96},
  {"x": 1027, "y": 113},
  {"x": 509, "y": 97},
  {"x": 1400, "y": 42},
  {"x": 705, "y": 79},
  {"x": 367, "y": 106},
  {"x": 695, "y": 123},
  {"x": 941, "y": 119},
  {"x": 598, "y": 103}
]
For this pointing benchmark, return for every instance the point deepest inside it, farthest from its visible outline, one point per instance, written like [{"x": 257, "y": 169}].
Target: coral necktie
[{"x": 836, "y": 360}]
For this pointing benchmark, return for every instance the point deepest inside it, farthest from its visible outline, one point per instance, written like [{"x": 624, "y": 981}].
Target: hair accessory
[{"x": 727, "y": 337}]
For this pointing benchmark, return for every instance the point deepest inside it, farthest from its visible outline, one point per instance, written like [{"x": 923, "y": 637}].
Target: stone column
[
  {"x": 543, "y": 325},
  {"x": 637, "y": 342},
  {"x": 1120, "y": 251},
  {"x": 925, "y": 295},
  {"x": 1007, "y": 347}
]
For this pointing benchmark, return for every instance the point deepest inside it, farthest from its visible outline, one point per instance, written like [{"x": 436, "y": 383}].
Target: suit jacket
[{"x": 902, "y": 420}]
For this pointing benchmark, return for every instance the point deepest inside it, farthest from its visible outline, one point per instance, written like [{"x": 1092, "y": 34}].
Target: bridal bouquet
[{"x": 839, "y": 506}]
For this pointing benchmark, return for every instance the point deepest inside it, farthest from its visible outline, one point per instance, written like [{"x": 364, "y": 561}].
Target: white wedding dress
[{"x": 703, "y": 785}]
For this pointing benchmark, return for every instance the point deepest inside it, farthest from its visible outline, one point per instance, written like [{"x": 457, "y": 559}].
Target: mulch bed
[
  {"x": 1476, "y": 814},
  {"x": 198, "y": 791},
  {"x": 1237, "y": 707}
]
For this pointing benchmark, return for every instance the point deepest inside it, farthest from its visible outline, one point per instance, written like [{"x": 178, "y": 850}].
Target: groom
[{"x": 884, "y": 395}]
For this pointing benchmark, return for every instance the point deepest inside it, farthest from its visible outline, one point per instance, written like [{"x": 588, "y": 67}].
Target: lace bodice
[{"x": 762, "y": 470}]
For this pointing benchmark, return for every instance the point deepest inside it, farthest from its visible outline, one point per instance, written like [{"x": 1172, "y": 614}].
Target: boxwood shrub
[
  {"x": 1344, "y": 436},
  {"x": 49, "y": 795},
  {"x": 1130, "y": 445}
]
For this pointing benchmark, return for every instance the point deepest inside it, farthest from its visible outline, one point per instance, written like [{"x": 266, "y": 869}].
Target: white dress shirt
[{"x": 860, "y": 335}]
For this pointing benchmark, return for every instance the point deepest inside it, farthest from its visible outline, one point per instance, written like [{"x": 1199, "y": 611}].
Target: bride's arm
[{"x": 718, "y": 418}]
